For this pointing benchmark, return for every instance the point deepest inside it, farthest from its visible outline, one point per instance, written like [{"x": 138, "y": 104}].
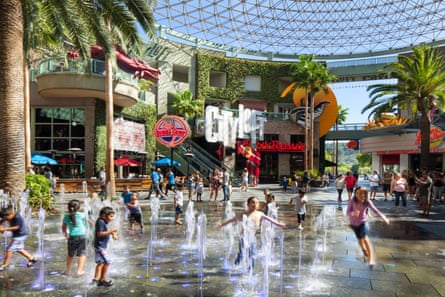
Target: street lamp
[{"x": 189, "y": 157}]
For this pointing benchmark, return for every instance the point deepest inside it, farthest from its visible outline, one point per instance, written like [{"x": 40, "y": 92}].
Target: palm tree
[
  {"x": 83, "y": 24},
  {"x": 186, "y": 105},
  {"x": 12, "y": 167},
  {"x": 342, "y": 113},
  {"x": 313, "y": 77},
  {"x": 420, "y": 88}
]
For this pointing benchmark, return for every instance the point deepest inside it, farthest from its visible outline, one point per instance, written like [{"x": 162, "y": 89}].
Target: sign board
[{"x": 171, "y": 131}]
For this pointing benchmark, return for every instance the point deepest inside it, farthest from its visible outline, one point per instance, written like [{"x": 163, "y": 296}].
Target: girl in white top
[{"x": 244, "y": 181}]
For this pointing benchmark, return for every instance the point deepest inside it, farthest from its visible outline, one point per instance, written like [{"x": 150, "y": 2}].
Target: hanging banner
[{"x": 128, "y": 136}]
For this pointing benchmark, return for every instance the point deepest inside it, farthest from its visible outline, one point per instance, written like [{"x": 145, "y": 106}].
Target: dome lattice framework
[{"x": 289, "y": 28}]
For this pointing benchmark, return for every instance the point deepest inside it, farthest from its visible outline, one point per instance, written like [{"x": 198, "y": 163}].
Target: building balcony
[{"x": 56, "y": 79}]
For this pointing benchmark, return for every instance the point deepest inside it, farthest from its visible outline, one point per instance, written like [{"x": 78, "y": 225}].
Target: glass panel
[
  {"x": 62, "y": 115},
  {"x": 61, "y": 131},
  {"x": 78, "y": 116},
  {"x": 78, "y": 143},
  {"x": 78, "y": 131},
  {"x": 43, "y": 115},
  {"x": 61, "y": 144},
  {"x": 43, "y": 131},
  {"x": 42, "y": 144}
]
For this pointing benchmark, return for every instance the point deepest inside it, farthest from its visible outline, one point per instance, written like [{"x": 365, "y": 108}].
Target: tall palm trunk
[
  {"x": 306, "y": 131},
  {"x": 26, "y": 114},
  {"x": 110, "y": 126},
  {"x": 12, "y": 166},
  {"x": 425, "y": 160},
  {"x": 311, "y": 152}
]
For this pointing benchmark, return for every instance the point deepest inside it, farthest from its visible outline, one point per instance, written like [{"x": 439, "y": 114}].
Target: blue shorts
[
  {"x": 17, "y": 244},
  {"x": 101, "y": 256},
  {"x": 178, "y": 210},
  {"x": 361, "y": 231}
]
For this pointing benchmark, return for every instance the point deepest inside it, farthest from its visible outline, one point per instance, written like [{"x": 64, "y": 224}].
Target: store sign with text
[
  {"x": 222, "y": 126},
  {"x": 273, "y": 146}
]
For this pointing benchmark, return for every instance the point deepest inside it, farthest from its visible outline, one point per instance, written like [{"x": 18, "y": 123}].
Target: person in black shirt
[
  {"x": 19, "y": 234},
  {"x": 101, "y": 237}
]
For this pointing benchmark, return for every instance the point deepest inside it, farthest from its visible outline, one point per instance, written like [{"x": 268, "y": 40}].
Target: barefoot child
[
  {"x": 135, "y": 215},
  {"x": 101, "y": 237},
  {"x": 74, "y": 228},
  {"x": 252, "y": 213},
  {"x": 178, "y": 201},
  {"x": 19, "y": 234},
  {"x": 300, "y": 201},
  {"x": 357, "y": 212}
]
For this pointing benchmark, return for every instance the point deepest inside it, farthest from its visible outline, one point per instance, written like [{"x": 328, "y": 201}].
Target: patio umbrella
[
  {"x": 165, "y": 162},
  {"x": 126, "y": 161},
  {"x": 41, "y": 159}
]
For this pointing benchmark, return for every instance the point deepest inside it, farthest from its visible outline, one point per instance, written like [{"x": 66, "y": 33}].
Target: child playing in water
[
  {"x": 357, "y": 213},
  {"x": 252, "y": 213},
  {"x": 270, "y": 209},
  {"x": 300, "y": 201},
  {"x": 74, "y": 228},
  {"x": 178, "y": 202},
  {"x": 101, "y": 237},
  {"x": 19, "y": 234},
  {"x": 135, "y": 215},
  {"x": 199, "y": 187}
]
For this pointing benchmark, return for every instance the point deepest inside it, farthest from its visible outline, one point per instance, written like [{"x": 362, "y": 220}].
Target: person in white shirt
[{"x": 374, "y": 180}]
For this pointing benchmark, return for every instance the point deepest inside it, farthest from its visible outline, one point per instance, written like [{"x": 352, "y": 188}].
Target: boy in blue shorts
[
  {"x": 19, "y": 234},
  {"x": 101, "y": 238}
]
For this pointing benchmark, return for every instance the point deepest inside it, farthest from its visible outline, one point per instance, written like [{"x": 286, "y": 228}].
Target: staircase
[{"x": 201, "y": 160}]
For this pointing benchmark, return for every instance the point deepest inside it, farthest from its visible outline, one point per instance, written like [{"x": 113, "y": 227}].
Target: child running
[
  {"x": 19, "y": 234},
  {"x": 74, "y": 228},
  {"x": 357, "y": 213},
  {"x": 300, "y": 201},
  {"x": 101, "y": 238}
]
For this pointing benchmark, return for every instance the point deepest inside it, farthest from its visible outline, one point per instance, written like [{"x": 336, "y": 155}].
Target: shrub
[{"x": 39, "y": 188}]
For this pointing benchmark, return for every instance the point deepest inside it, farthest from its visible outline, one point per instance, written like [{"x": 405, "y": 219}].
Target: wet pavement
[{"x": 321, "y": 260}]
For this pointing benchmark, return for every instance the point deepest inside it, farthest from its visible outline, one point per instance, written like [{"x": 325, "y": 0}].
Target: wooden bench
[{"x": 77, "y": 185}]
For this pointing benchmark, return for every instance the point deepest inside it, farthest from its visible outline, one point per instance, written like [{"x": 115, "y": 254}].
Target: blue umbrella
[
  {"x": 165, "y": 162},
  {"x": 40, "y": 159}
]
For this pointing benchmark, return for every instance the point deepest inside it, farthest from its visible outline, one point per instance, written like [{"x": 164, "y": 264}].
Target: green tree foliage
[
  {"x": 420, "y": 88},
  {"x": 187, "y": 106},
  {"x": 39, "y": 188}
]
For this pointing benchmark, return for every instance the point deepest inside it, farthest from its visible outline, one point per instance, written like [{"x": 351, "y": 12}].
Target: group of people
[{"x": 426, "y": 187}]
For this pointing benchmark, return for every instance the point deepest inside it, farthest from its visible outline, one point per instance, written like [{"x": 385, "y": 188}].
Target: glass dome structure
[{"x": 329, "y": 29}]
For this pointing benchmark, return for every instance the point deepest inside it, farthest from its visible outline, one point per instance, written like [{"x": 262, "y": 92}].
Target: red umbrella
[
  {"x": 67, "y": 160},
  {"x": 126, "y": 161}
]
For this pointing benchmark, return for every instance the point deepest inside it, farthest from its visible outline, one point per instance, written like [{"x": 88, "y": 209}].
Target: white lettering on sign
[{"x": 222, "y": 126}]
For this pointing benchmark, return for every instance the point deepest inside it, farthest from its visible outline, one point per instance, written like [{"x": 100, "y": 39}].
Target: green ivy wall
[{"x": 236, "y": 70}]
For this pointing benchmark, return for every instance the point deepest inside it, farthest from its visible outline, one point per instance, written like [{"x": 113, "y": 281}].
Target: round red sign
[{"x": 171, "y": 131}]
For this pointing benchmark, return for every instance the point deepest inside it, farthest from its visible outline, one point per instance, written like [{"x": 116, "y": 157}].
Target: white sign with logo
[{"x": 222, "y": 126}]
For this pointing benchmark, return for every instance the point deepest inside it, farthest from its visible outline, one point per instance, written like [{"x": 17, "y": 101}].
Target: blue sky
[{"x": 354, "y": 96}]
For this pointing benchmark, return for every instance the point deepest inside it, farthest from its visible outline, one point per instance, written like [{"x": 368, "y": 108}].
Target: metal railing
[{"x": 92, "y": 66}]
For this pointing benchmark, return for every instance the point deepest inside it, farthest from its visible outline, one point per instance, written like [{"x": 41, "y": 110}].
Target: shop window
[
  {"x": 252, "y": 83},
  {"x": 218, "y": 79},
  {"x": 180, "y": 73},
  {"x": 59, "y": 128}
]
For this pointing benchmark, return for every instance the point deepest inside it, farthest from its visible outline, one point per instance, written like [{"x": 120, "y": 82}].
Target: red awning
[{"x": 126, "y": 161}]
